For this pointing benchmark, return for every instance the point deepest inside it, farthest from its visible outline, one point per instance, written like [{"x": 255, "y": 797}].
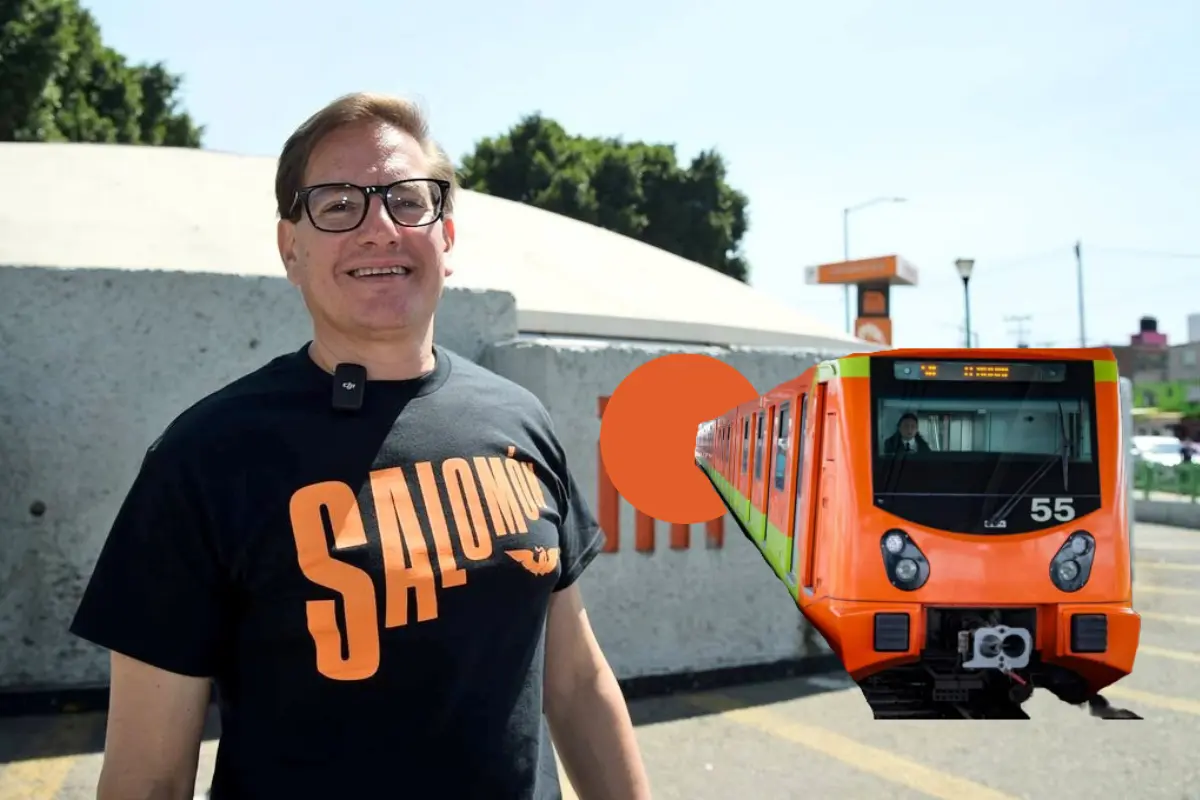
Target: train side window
[
  {"x": 783, "y": 425},
  {"x": 829, "y": 439},
  {"x": 746, "y": 447},
  {"x": 759, "y": 441}
]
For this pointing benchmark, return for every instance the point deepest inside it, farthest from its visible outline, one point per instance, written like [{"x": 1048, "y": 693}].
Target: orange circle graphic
[{"x": 648, "y": 434}]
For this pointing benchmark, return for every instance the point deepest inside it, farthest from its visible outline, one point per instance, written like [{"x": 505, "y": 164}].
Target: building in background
[
  {"x": 1166, "y": 379},
  {"x": 1183, "y": 360},
  {"x": 1144, "y": 359}
]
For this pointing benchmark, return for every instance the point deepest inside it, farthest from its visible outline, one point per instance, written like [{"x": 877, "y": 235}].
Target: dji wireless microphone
[{"x": 349, "y": 386}]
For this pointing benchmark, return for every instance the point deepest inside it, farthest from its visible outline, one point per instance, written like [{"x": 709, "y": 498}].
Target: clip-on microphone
[{"x": 349, "y": 386}]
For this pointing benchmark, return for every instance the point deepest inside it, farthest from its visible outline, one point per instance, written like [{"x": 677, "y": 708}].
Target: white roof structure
[{"x": 174, "y": 209}]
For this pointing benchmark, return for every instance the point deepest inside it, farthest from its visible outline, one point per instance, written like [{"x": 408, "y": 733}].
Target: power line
[
  {"x": 1022, "y": 330},
  {"x": 1066, "y": 249},
  {"x": 1128, "y": 251},
  {"x": 1067, "y": 253},
  {"x": 962, "y": 335},
  {"x": 1028, "y": 258}
]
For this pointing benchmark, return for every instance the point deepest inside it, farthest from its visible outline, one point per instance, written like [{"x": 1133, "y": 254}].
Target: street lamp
[
  {"x": 964, "y": 266},
  {"x": 846, "y": 243}
]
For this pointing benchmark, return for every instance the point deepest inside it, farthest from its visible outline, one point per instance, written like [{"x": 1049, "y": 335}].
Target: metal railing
[{"x": 1182, "y": 480}]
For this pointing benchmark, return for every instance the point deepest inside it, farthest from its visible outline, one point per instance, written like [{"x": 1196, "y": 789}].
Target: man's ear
[
  {"x": 285, "y": 235},
  {"x": 448, "y": 241}
]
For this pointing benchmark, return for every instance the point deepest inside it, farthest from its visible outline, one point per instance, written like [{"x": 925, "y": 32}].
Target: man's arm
[
  {"x": 155, "y": 723},
  {"x": 587, "y": 713},
  {"x": 158, "y": 601}
]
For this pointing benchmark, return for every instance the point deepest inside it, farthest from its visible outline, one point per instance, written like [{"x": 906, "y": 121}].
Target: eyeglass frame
[{"x": 382, "y": 190}]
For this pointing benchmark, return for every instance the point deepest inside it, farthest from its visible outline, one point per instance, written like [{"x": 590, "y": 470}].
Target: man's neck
[{"x": 394, "y": 360}]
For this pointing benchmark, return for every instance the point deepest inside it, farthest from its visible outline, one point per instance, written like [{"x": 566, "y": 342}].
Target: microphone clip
[{"x": 349, "y": 386}]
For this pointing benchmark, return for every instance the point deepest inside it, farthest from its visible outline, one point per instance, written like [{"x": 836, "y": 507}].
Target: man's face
[
  {"x": 908, "y": 428},
  {"x": 320, "y": 263}
]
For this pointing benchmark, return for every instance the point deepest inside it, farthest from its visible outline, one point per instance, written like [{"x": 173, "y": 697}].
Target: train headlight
[
  {"x": 906, "y": 569},
  {"x": 905, "y": 564},
  {"x": 1072, "y": 564},
  {"x": 1068, "y": 571}
]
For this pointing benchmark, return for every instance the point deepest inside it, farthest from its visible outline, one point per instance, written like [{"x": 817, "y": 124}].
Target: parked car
[{"x": 1165, "y": 451}]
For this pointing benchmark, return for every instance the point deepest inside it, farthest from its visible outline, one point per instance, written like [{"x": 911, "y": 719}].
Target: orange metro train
[{"x": 955, "y": 523}]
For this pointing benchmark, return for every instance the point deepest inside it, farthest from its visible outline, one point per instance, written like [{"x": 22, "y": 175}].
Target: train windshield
[{"x": 987, "y": 448}]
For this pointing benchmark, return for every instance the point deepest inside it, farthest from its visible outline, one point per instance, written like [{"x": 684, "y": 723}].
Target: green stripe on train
[
  {"x": 757, "y": 523},
  {"x": 1106, "y": 371},
  {"x": 776, "y": 550},
  {"x": 770, "y": 541},
  {"x": 854, "y": 367},
  {"x": 739, "y": 504}
]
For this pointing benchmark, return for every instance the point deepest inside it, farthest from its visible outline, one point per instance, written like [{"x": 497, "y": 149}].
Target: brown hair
[{"x": 347, "y": 110}]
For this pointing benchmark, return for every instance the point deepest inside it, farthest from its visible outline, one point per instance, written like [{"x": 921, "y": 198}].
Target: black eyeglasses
[{"x": 341, "y": 207}]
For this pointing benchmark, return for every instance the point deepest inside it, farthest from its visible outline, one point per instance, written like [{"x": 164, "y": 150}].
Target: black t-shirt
[{"x": 368, "y": 589}]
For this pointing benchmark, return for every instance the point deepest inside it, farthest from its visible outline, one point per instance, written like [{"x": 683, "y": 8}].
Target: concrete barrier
[
  {"x": 1156, "y": 508},
  {"x": 1180, "y": 512},
  {"x": 95, "y": 363}
]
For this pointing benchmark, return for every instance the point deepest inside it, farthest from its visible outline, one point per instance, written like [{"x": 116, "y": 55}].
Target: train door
[
  {"x": 727, "y": 449},
  {"x": 822, "y": 470},
  {"x": 758, "y": 492},
  {"x": 743, "y": 478},
  {"x": 781, "y": 471},
  {"x": 797, "y": 478},
  {"x": 739, "y": 455},
  {"x": 719, "y": 450}
]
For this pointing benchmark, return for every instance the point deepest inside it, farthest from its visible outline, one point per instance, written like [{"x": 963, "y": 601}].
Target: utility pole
[
  {"x": 846, "y": 257},
  {"x": 1022, "y": 330},
  {"x": 1079, "y": 283},
  {"x": 846, "y": 212}
]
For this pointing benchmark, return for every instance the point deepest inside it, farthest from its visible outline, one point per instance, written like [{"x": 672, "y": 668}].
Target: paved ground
[{"x": 814, "y": 738}]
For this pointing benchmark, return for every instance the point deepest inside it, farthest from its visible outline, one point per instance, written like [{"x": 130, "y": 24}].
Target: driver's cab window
[{"x": 1031, "y": 427}]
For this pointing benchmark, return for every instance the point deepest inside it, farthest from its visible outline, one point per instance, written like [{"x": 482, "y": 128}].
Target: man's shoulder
[
  {"x": 492, "y": 390},
  {"x": 224, "y": 413}
]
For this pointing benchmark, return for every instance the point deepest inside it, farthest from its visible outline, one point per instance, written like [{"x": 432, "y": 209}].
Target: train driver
[{"x": 906, "y": 439}]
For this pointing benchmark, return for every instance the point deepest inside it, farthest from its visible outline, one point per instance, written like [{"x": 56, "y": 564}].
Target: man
[
  {"x": 384, "y": 593},
  {"x": 906, "y": 439}
]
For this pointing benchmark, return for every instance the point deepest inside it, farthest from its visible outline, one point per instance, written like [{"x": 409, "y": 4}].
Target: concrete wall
[
  {"x": 94, "y": 363},
  {"x": 670, "y": 610}
]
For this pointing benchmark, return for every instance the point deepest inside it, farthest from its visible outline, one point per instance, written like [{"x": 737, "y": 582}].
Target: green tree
[
  {"x": 633, "y": 188},
  {"x": 59, "y": 82}
]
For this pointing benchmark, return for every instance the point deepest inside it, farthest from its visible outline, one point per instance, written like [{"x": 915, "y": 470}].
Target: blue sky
[{"x": 1012, "y": 129}]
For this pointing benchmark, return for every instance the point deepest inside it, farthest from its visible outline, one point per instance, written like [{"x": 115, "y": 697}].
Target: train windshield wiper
[{"x": 1062, "y": 456}]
